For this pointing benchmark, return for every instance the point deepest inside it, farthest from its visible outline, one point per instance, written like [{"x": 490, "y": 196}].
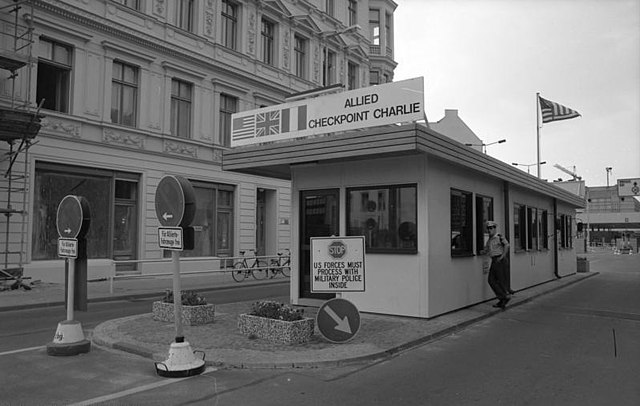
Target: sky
[{"x": 489, "y": 58}]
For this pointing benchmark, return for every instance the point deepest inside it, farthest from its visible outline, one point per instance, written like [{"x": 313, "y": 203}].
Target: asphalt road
[{"x": 576, "y": 346}]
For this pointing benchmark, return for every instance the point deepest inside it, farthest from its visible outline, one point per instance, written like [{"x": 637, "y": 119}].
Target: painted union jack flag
[{"x": 268, "y": 123}]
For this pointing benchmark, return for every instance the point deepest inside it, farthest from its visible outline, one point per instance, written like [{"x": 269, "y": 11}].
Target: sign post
[
  {"x": 175, "y": 209},
  {"x": 72, "y": 221},
  {"x": 338, "y": 265}
]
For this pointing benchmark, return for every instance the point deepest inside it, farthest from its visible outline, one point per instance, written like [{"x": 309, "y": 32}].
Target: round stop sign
[
  {"x": 175, "y": 201},
  {"x": 73, "y": 217}
]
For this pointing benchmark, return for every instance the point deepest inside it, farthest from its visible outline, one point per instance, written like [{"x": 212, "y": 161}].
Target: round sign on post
[
  {"x": 338, "y": 320},
  {"x": 73, "y": 217},
  {"x": 175, "y": 201}
]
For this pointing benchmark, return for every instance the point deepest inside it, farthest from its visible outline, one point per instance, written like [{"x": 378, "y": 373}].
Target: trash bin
[{"x": 583, "y": 264}]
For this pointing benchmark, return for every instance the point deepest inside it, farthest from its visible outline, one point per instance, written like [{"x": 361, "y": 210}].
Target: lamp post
[
  {"x": 330, "y": 34},
  {"x": 528, "y": 165},
  {"x": 484, "y": 146}
]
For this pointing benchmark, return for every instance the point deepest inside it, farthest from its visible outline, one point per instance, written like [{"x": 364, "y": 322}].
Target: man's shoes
[
  {"x": 503, "y": 303},
  {"x": 499, "y": 304},
  {"x": 511, "y": 292}
]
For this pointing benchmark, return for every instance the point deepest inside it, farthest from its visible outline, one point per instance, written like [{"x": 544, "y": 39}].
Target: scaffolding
[{"x": 20, "y": 123}]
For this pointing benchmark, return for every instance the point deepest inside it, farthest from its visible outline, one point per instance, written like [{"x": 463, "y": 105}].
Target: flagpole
[{"x": 538, "y": 131}]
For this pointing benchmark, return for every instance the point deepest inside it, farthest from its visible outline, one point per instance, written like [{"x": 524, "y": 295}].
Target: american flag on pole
[{"x": 552, "y": 111}]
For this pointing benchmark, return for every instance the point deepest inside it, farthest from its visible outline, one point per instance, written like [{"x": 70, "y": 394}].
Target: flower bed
[
  {"x": 277, "y": 323},
  {"x": 276, "y": 331},
  {"x": 191, "y": 315},
  {"x": 195, "y": 310}
]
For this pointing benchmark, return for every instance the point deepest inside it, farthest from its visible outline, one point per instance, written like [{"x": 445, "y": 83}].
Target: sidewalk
[
  {"x": 53, "y": 294},
  {"x": 379, "y": 337}
]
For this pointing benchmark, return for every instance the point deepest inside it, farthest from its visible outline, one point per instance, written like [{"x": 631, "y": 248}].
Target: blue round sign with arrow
[{"x": 338, "y": 320}]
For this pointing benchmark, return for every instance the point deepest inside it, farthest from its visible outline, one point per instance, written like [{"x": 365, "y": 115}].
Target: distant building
[
  {"x": 453, "y": 127},
  {"x": 610, "y": 219}
]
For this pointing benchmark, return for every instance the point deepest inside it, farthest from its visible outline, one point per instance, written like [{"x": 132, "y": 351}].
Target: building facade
[{"x": 133, "y": 90}]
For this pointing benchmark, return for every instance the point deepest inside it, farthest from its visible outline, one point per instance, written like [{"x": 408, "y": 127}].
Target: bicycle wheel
[
  {"x": 261, "y": 273},
  {"x": 286, "y": 269},
  {"x": 273, "y": 269},
  {"x": 239, "y": 272}
]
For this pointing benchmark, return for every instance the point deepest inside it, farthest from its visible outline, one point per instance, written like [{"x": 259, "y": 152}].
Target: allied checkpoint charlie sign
[
  {"x": 389, "y": 103},
  {"x": 337, "y": 264}
]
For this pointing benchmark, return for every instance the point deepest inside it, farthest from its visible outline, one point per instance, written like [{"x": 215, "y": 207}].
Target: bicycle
[
  {"x": 242, "y": 269},
  {"x": 282, "y": 264}
]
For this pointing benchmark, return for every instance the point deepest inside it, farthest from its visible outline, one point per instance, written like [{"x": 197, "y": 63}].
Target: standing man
[{"x": 497, "y": 248}]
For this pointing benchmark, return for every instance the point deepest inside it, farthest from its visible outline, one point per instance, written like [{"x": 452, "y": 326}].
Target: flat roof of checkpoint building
[{"x": 276, "y": 158}]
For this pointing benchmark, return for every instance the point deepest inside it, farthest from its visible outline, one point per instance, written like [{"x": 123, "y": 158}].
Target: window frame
[
  {"x": 392, "y": 190},
  {"x": 185, "y": 15},
  {"x": 374, "y": 24},
  {"x": 217, "y": 208},
  {"x": 352, "y": 12},
  {"x": 482, "y": 235},
  {"x": 465, "y": 232},
  {"x": 100, "y": 244},
  {"x": 267, "y": 39},
  {"x": 225, "y": 114},
  {"x": 330, "y": 7},
  {"x": 177, "y": 103},
  {"x": 132, "y": 4},
  {"x": 229, "y": 25},
  {"x": 122, "y": 84},
  {"x": 62, "y": 71},
  {"x": 300, "y": 55},
  {"x": 352, "y": 75}
]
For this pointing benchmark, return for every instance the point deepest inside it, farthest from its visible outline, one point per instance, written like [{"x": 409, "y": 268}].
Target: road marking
[
  {"x": 22, "y": 350},
  {"x": 133, "y": 391}
]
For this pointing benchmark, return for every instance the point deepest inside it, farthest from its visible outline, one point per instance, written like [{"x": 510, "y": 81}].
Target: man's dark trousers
[{"x": 496, "y": 278}]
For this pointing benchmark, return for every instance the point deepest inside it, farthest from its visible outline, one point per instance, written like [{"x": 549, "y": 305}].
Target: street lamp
[
  {"x": 330, "y": 34},
  {"x": 528, "y": 165},
  {"x": 484, "y": 146}
]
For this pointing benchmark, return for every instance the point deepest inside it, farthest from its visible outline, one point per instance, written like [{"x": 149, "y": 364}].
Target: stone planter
[
  {"x": 276, "y": 331},
  {"x": 191, "y": 315}
]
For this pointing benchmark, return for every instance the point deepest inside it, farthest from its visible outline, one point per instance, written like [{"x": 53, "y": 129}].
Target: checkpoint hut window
[
  {"x": 386, "y": 216},
  {"x": 484, "y": 213},
  {"x": 461, "y": 223}
]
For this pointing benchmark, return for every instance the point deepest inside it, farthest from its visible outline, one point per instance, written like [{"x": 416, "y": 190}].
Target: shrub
[
  {"x": 189, "y": 298},
  {"x": 274, "y": 310}
]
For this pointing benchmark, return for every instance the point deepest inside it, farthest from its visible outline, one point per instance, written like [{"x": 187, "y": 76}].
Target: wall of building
[
  {"x": 151, "y": 169},
  {"x": 432, "y": 281},
  {"x": 455, "y": 282},
  {"x": 101, "y": 33},
  {"x": 395, "y": 283}
]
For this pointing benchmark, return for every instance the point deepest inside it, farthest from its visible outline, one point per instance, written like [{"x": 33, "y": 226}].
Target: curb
[
  {"x": 129, "y": 296},
  {"x": 358, "y": 360}
]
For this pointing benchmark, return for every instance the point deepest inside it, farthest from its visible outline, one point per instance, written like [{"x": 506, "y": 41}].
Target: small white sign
[
  {"x": 337, "y": 264},
  {"x": 68, "y": 247},
  {"x": 170, "y": 238},
  {"x": 629, "y": 187}
]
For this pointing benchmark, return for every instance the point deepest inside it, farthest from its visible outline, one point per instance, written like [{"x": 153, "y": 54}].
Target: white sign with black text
[
  {"x": 68, "y": 247},
  {"x": 337, "y": 264},
  {"x": 170, "y": 238},
  {"x": 389, "y": 103}
]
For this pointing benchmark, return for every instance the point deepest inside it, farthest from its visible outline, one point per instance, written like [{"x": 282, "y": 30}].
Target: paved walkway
[{"x": 380, "y": 336}]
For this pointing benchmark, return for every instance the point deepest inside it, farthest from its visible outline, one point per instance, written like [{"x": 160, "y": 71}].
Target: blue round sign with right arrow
[{"x": 338, "y": 320}]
